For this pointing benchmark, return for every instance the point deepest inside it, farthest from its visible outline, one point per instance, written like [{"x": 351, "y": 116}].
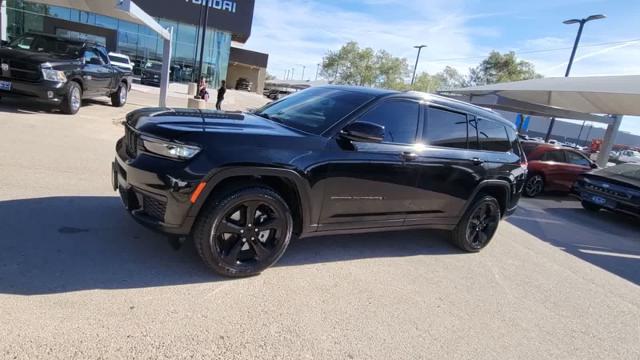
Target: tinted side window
[
  {"x": 399, "y": 118},
  {"x": 492, "y": 136},
  {"x": 445, "y": 128},
  {"x": 577, "y": 159},
  {"x": 91, "y": 54},
  {"x": 556, "y": 155}
]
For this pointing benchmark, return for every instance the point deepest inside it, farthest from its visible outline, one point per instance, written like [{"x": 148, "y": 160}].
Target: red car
[{"x": 553, "y": 168}]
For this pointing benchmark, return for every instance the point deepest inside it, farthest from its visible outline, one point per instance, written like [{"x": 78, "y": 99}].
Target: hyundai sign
[{"x": 235, "y": 16}]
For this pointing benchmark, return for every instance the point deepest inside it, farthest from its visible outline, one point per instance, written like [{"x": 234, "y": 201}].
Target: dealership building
[{"x": 228, "y": 28}]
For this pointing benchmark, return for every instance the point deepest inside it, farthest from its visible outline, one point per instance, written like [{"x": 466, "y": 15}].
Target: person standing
[{"x": 221, "y": 92}]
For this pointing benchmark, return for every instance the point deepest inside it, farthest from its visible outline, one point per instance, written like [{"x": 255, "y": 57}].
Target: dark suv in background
[
  {"x": 60, "y": 72},
  {"x": 326, "y": 160}
]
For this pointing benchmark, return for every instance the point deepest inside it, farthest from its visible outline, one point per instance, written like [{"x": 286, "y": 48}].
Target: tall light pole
[
  {"x": 419, "y": 47},
  {"x": 317, "y": 72},
  {"x": 303, "y": 69},
  {"x": 573, "y": 54}
]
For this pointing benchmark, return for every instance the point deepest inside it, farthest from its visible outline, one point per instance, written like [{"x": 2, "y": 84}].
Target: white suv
[{"x": 121, "y": 61}]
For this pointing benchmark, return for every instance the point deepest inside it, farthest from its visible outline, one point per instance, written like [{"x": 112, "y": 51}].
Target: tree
[
  {"x": 499, "y": 68},
  {"x": 427, "y": 83},
  {"x": 352, "y": 65},
  {"x": 447, "y": 79}
]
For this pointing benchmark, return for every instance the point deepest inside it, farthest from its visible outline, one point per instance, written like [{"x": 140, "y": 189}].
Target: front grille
[
  {"x": 130, "y": 142},
  {"x": 153, "y": 207},
  {"x": 603, "y": 190},
  {"x": 19, "y": 70}
]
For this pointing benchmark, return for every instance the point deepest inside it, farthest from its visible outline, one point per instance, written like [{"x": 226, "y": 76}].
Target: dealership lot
[{"x": 79, "y": 278}]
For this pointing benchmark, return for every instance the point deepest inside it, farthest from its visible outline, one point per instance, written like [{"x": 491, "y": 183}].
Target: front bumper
[
  {"x": 155, "y": 191},
  {"x": 606, "y": 201},
  {"x": 50, "y": 92}
]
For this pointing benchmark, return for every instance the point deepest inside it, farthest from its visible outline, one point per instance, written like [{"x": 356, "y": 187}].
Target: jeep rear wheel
[
  {"x": 244, "y": 232},
  {"x": 478, "y": 226}
]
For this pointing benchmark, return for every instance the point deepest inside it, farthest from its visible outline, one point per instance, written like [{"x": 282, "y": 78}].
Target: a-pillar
[{"x": 609, "y": 139}]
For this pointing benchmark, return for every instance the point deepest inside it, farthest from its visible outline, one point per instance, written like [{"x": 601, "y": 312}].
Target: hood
[
  {"x": 175, "y": 124},
  {"x": 33, "y": 57},
  {"x": 602, "y": 176}
]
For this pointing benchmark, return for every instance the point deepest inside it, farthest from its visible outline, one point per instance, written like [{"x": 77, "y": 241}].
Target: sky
[{"x": 458, "y": 33}]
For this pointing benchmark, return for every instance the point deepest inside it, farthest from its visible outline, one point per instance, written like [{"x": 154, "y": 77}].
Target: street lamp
[
  {"x": 419, "y": 47},
  {"x": 573, "y": 54}
]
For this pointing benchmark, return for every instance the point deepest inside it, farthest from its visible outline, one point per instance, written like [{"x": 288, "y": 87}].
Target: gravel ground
[{"x": 79, "y": 279}]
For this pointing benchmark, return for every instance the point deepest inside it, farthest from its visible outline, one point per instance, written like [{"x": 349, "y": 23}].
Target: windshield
[
  {"x": 50, "y": 45},
  {"x": 153, "y": 66},
  {"x": 314, "y": 110},
  {"x": 118, "y": 59},
  {"x": 631, "y": 171}
]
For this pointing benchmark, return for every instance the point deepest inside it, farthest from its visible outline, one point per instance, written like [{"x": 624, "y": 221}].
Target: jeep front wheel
[
  {"x": 244, "y": 232},
  {"x": 478, "y": 226}
]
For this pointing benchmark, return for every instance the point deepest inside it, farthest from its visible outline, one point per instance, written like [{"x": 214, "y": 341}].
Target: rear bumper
[{"x": 44, "y": 91}]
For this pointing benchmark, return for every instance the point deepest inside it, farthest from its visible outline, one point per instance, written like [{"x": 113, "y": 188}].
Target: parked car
[
  {"x": 326, "y": 160},
  {"x": 60, "y": 72},
  {"x": 121, "y": 61},
  {"x": 151, "y": 73},
  {"x": 615, "y": 188},
  {"x": 278, "y": 94},
  {"x": 243, "y": 84},
  {"x": 628, "y": 156},
  {"x": 553, "y": 168}
]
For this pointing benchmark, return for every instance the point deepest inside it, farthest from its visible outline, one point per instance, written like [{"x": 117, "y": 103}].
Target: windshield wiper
[{"x": 273, "y": 118}]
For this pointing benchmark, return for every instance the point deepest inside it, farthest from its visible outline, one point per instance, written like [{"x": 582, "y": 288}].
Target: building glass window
[{"x": 139, "y": 42}]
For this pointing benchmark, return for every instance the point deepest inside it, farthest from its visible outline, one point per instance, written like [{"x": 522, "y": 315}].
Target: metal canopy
[
  {"x": 574, "y": 98},
  {"x": 618, "y": 95},
  {"x": 124, "y": 10}
]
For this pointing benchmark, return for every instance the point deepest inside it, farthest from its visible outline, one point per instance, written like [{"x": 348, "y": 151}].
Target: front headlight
[
  {"x": 170, "y": 149},
  {"x": 54, "y": 75}
]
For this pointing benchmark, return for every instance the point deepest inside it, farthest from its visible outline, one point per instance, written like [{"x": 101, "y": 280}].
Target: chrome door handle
[
  {"x": 409, "y": 156},
  {"x": 477, "y": 161}
]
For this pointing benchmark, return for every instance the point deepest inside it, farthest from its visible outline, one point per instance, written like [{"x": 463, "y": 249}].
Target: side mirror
[
  {"x": 594, "y": 165},
  {"x": 364, "y": 132},
  {"x": 4, "y": 43}
]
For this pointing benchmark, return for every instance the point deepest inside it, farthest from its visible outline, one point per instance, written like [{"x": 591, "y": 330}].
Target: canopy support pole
[
  {"x": 609, "y": 139},
  {"x": 166, "y": 69},
  {"x": 3, "y": 20}
]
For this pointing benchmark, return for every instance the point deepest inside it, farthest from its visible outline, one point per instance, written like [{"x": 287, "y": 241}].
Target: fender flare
[
  {"x": 212, "y": 180},
  {"x": 483, "y": 185}
]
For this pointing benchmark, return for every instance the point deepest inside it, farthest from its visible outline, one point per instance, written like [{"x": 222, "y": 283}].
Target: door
[
  {"x": 97, "y": 74},
  {"x": 371, "y": 184},
  {"x": 554, "y": 165},
  {"x": 448, "y": 171},
  {"x": 576, "y": 164}
]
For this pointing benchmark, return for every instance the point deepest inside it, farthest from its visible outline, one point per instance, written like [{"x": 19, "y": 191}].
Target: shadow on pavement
[
  {"x": 605, "y": 239},
  {"x": 64, "y": 244}
]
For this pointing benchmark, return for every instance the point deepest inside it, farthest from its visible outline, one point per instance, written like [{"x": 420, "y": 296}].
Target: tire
[
  {"x": 478, "y": 225},
  {"x": 119, "y": 98},
  {"x": 73, "y": 99},
  {"x": 534, "y": 185},
  {"x": 591, "y": 207},
  {"x": 235, "y": 253}
]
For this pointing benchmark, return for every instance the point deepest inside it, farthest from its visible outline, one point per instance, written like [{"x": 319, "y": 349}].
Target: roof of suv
[
  {"x": 432, "y": 98},
  {"x": 61, "y": 38}
]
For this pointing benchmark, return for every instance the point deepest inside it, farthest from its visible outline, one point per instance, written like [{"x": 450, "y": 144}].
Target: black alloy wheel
[
  {"x": 478, "y": 225},
  {"x": 248, "y": 231},
  {"x": 534, "y": 186}
]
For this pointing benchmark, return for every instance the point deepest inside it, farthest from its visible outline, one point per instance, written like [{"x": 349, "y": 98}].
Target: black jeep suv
[
  {"x": 60, "y": 72},
  {"x": 326, "y": 160}
]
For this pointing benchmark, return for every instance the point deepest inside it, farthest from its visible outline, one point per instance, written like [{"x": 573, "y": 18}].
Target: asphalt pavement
[{"x": 80, "y": 279}]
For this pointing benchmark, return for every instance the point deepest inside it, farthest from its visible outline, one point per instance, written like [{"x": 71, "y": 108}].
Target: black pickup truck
[{"x": 60, "y": 72}]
